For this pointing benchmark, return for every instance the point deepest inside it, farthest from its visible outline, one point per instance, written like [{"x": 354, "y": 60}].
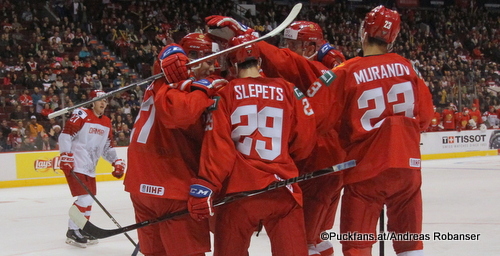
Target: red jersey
[
  {"x": 165, "y": 143},
  {"x": 435, "y": 122},
  {"x": 259, "y": 127},
  {"x": 26, "y": 100},
  {"x": 448, "y": 119},
  {"x": 302, "y": 72},
  {"x": 380, "y": 105},
  {"x": 476, "y": 116},
  {"x": 462, "y": 121},
  {"x": 285, "y": 63}
]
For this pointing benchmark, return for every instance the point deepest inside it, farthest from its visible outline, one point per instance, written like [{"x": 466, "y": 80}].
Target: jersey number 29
[{"x": 257, "y": 121}]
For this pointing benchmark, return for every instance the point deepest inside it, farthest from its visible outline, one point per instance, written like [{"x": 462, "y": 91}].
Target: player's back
[
  {"x": 388, "y": 106},
  {"x": 165, "y": 143},
  {"x": 261, "y": 126}
]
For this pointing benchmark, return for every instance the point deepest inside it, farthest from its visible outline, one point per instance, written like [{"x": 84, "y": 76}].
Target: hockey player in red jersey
[
  {"x": 377, "y": 101},
  {"x": 435, "y": 124},
  {"x": 306, "y": 39},
  {"x": 475, "y": 115},
  {"x": 449, "y": 117},
  {"x": 165, "y": 147},
  {"x": 86, "y": 136},
  {"x": 462, "y": 120},
  {"x": 258, "y": 128},
  {"x": 299, "y": 64}
]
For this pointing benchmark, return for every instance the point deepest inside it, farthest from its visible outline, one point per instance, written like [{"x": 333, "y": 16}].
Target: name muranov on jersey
[
  {"x": 246, "y": 91},
  {"x": 381, "y": 72}
]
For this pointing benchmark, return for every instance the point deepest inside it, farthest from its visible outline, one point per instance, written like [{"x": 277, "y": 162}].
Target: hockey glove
[
  {"x": 210, "y": 85},
  {"x": 173, "y": 62},
  {"x": 66, "y": 162},
  {"x": 119, "y": 168},
  {"x": 329, "y": 56},
  {"x": 225, "y": 28},
  {"x": 200, "y": 201}
]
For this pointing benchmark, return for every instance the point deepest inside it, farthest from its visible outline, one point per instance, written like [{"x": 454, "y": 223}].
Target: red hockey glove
[
  {"x": 200, "y": 202},
  {"x": 173, "y": 62},
  {"x": 225, "y": 28},
  {"x": 66, "y": 162},
  {"x": 329, "y": 56},
  {"x": 119, "y": 168},
  {"x": 210, "y": 85}
]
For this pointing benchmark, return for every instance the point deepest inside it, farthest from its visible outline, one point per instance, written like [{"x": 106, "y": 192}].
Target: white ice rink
[{"x": 460, "y": 196}]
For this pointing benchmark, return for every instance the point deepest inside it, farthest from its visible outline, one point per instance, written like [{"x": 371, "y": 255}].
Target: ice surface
[{"x": 460, "y": 196}]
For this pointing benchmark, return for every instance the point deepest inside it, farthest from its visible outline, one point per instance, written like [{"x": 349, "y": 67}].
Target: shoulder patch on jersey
[
  {"x": 298, "y": 93},
  {"x": 80, "y": 112},
  {"x": 328, "y": 77},
  {"x": 215, "y": 105}
]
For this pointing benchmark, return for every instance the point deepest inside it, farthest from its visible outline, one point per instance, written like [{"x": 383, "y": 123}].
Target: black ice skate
[
  {"x": 91, "y": 240},
  {"x": 74, "y": 237}
]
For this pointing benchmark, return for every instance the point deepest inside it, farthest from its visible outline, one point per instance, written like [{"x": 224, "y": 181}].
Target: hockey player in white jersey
[{"x": 86, "y": 136}]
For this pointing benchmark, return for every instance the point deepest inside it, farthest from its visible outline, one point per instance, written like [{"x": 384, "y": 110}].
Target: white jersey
[
  {"x": 88, "y": 137},
  {"x": 491, "y": 118}
]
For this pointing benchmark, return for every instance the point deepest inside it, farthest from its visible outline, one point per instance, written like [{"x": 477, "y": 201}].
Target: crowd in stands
[{"x": 53, "y": 59}]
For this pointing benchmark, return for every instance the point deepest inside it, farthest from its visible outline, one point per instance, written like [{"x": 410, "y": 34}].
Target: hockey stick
[
  {"x": 382, "y": 230},
  {"x": 100, "y": 205},
  {"x": 291, "y": 16},
  {"x": 90, "y": 228}
]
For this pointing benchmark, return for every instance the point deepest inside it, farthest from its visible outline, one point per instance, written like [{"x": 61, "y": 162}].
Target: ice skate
[
  {"x": 91, "y": 240},
  {"x": 74, "y": 237}
]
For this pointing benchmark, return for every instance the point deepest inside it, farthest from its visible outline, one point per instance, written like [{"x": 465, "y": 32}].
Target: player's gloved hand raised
[
  {"x": 119, "y": 168},
  {"x": 66, "y": 162},
  {"x": 210, "y": 85},
  {"x": 225, "y": 28},
  {"x": 329, "y": 56},
  {"x": 200, "y": 201},
  {"x": 173, "y": 62}
]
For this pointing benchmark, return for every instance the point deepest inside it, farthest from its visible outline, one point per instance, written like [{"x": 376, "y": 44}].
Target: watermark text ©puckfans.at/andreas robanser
[{"x": 392, "y": 236}]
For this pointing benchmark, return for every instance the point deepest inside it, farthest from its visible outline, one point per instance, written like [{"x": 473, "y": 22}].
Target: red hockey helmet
[
  {"x": 304, "y": 31},
  {"x": 96, "y": 93},
  {"x": 381, "y": 23},
  {"x": 197, "y": 45},
  {"x": 243, "y": 54}
]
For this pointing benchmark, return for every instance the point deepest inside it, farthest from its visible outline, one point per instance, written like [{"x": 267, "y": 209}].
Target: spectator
[
  {"x": 121, "y": 140},
  {"x": 28, "y": 144},
  {"x": 43, "y": 142},
  {"x": 40, "y": 103},
  {"x": 54, "y": 133},
  {"x": 11, "y": 99},
  {"x": 14, "y": 140},
  {"x": 46, "y": 111},
  {"x": 21, "y": 128},
  {"x": 5, "y": 128},
  {"x": 34, "y": 128},
  {"x": 84, "y": 53},
  {"x": 25, "y": 99},
  {"x": 3, "y": 143},
  {"x": 17, "y": 114}
]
